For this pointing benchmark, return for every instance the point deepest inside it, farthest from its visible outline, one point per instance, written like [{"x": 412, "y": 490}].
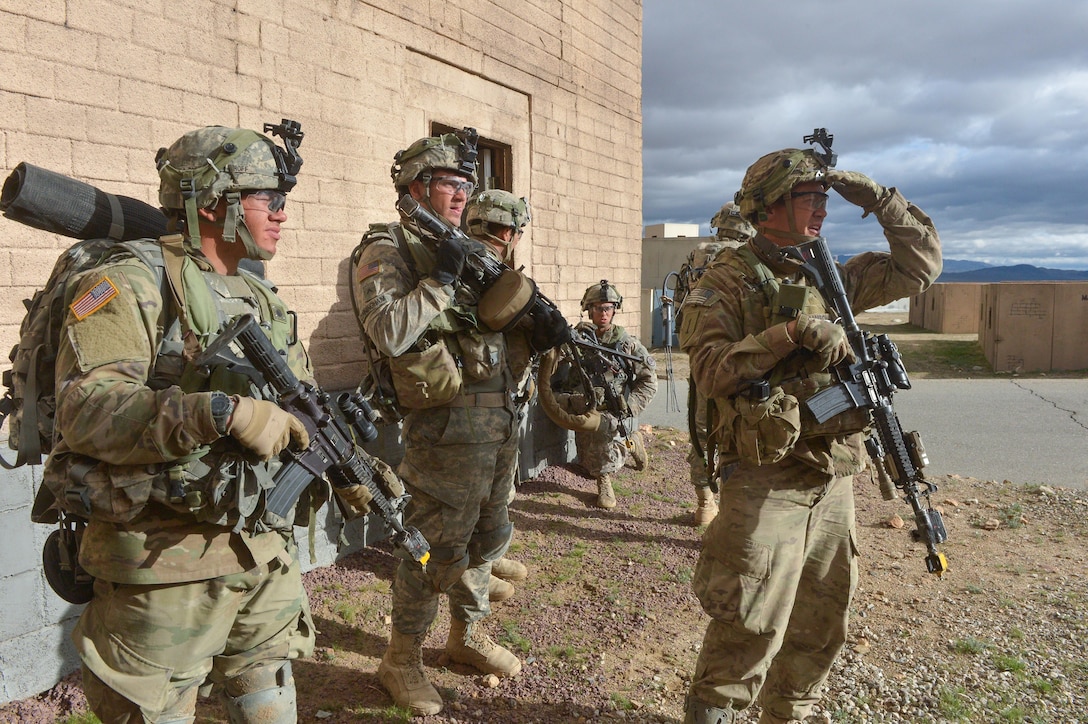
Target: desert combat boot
[
  {"x": 509, "y": 570},
  {"x": 401, "y": 673},
  {"x": 708, "y": 507},
  {"x": 499, "y": 590},
  {"x": 606, "y": 498},
  {"x": 469, "y": 644},
  {"x": 638, "y": 451}
]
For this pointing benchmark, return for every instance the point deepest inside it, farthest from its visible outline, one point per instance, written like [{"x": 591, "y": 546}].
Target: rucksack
[{"x": 29, "y": 403}]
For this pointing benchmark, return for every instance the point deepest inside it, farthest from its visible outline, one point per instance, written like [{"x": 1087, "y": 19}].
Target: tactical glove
[
  {"x": 825, "y": 339},
  {"x": 549, "y": 330},
  {"x": 857, "y": 188},
  {"x": 356, "y": 499},
  {"x": 449, "y": 262},
  {"x": 264, "y": 428}
]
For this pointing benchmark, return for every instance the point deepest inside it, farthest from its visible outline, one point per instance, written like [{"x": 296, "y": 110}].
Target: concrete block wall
[{"x": 92, "y": 88}]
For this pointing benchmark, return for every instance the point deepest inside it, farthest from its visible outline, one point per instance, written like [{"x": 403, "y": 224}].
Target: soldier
[
  {"x": 193, "y": 584},
  {"x": 461, "y": 422},
  {"x": 603, "y": 451},
  {"x": 732, "y": 231},
  {"x": 499, "y": 218},
  {"x": 778, "y": 564}
]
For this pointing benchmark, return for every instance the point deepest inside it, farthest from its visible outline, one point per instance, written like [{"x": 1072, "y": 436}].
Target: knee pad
[
  {"x": 697, "y": 711},
  {"x": 265, "y": 695},
  {"x": 490, "y": 545}
]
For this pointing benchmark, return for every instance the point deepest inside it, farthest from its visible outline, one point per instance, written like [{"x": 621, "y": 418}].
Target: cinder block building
[{"x": 91, "y": 89}]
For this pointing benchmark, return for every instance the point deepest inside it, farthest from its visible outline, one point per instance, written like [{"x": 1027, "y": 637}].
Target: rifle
[
  {"x": 869, "y": 383},
  {"x": 594, "y": 362},
  {"x": 335, "y": 433},
  {"x": 669, "y": 324}
]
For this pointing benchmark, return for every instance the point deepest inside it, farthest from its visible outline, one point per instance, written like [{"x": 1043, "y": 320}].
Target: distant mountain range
[{"x": 960, "y": 270}]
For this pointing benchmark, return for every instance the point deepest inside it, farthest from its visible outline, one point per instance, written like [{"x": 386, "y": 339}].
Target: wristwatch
[{"x": 222, "y": 408}]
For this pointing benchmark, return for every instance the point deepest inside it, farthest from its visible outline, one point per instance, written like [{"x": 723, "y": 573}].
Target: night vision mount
[
  {"x": 288, "y": 162},
  {"x": 824, "y": 139}
]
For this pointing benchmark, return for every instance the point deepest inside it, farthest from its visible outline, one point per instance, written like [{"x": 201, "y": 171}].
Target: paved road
[{"x": 1031, "y": 431}]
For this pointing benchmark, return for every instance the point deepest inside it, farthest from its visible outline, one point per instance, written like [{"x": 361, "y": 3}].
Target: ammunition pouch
[
  {"x": 759, "y": 430},
  {"x": 430, "y": 378}
]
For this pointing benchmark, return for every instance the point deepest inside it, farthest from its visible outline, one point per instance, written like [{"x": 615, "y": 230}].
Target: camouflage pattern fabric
[
  {"x": 177, "y": 596},
  {"x": 699, "y": 466},
  {"x": 460, "y": 460},
  {"x": 605, "y": 452},
  {"x": 147, "y": 649},
  {"x": 777, "y": 568},
  {"x": 776, "y": 575}
]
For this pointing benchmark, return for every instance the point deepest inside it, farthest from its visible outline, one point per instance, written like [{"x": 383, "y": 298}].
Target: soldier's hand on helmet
[
  {"x": 550, "y": 329},
  {"x": 449, "y": 262},
  {"x": 825, "y": 339},
  {"x": 356, "y": 498},
  {"x": 264, "y": 428},
  {"x": 857, "y": 188}
]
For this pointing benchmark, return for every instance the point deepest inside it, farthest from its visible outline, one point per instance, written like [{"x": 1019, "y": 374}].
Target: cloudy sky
[{"x": 977, "y": 110}]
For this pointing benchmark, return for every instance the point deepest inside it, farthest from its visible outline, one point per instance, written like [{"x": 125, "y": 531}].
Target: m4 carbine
[
  {"x": 336, "y": 433},
  {"x": 869, "y": 383}
]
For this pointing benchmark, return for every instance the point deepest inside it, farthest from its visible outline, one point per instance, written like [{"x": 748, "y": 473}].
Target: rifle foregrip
[{"x": 265, "y": 357}]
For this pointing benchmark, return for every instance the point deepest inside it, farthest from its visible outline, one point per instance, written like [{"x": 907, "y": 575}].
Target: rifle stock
[
  {"x": 335, "y": 432},
  {"x": 869, "y": 383}
]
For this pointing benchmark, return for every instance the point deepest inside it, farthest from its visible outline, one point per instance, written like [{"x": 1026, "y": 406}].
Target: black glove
[
  {"x": 550, "y": 330},
  {"x": 449, "y": 262}
]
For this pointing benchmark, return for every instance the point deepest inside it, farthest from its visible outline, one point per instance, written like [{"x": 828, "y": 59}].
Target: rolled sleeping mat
[
  {"x": 53, "y": 202},
  {"x": 57, "y": 203}
]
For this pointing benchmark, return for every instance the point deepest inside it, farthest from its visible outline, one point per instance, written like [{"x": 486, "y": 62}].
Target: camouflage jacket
[
  {"x": 400, "y": 305},
  {"x": 634, "y": 383},
  {"x": 732, "y": 333},
  {"x": 133, "y": 417}
]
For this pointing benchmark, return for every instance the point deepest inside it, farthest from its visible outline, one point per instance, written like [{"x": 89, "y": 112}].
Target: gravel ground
[{"x": 609, "y": 630}]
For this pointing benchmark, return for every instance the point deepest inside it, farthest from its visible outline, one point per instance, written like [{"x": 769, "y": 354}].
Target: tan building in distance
[{"x": 91, "y": 89}]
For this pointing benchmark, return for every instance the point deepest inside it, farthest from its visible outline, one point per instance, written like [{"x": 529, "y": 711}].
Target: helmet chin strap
[
  {"x": 234, "y": 227},
  {"x": 502, "y": 243}
]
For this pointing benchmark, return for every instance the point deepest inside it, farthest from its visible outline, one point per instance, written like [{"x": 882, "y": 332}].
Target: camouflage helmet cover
[
  {"x": 729, "y": 223},
  {"x": 455, "y": 151},
  {"x": 602, "y": 291},
  {"x": 772, "y": 176},
  {"x": 498, "y": 207},
  {"x": 206, "y": 163}
]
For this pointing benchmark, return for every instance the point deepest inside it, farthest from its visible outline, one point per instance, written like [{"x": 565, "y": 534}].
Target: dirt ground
[{"x": 608, "y": 628}]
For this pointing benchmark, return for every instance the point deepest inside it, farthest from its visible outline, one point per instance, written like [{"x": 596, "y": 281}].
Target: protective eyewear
[
  {"x": 603, "y": 308},
  {"x": 274, "y": 200},
  {"x": 811, "y": 200},
  {"x": 451, "y": 185}
]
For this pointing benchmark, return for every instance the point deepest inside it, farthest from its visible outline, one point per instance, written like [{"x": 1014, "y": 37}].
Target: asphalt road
[{"x": 1029, "y": 431}]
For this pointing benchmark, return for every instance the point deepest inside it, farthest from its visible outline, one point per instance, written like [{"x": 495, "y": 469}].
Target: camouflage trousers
[
  {"x": 602, "y": 452},
  {"x": 459, "y": 466},
  {"x": 776, "y": 574},
  {"x": 146, "y": 649}
]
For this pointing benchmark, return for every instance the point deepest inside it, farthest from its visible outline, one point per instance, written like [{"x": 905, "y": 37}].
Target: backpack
[{"x": 29, "y": 403}]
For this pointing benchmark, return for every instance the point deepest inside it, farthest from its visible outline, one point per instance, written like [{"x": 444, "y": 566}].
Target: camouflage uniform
[
  {"x": 193, "y": 584},
  {"x": 603, "y": 451},
  {"x": 460, "y": 458},
  {"x": 778, "y": 564}
]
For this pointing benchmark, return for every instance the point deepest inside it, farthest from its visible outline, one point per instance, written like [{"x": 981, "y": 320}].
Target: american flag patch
[
  {"x": 95, "y": 299},
  {"x": 368, "y": 270}
]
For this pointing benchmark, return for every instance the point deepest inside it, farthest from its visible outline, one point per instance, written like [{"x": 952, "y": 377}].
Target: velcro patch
[
  {"x": 700, "y": 297},
  {"x": 367, "y": 270},
  {"x": 95, "y": 299}
]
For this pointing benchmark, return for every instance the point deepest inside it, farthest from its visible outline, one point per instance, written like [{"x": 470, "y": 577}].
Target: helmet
[
  {"x": 455, "y": 151},
  {"x": 772, "y": 176},
  {"x": 497, "y": 207},
  {"x": 601, "y": 292},
  {"x": 730, "y": 224},
  {"x": 214, "y": 162}
]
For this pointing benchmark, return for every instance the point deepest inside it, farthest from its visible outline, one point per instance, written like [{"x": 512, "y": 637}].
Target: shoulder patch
[
  {"x": 700, "y": 297},
  {"x": 367, "y": 270},
  {"x": 95, "y": 299}
]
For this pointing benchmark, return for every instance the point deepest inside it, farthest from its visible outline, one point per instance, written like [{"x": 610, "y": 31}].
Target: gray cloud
[{"x": 977, "y": 111}]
